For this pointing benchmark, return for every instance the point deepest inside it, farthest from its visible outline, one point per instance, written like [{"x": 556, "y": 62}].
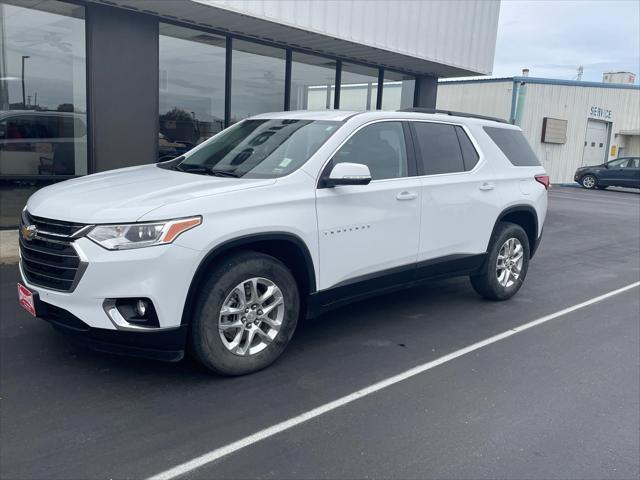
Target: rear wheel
[
  {"x": 245, "y": 315},
  {"x": 589, "y": 182},
  {"x": 506, "y": 265}
]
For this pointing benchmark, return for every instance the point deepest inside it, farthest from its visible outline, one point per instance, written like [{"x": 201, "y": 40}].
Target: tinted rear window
[
  {"x": 438, "y": 147},
  {"x": 514, "y": 146},
  {"x": 469, "y": 154}
]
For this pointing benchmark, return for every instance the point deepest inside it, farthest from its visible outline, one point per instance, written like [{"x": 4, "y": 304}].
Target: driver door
[
  {"x": 616, "y": 173},
  {"x": 370, "y": 232}
]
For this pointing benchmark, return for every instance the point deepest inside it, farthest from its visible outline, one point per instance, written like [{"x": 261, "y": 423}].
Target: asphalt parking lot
[{"x": 559, "y": 400}]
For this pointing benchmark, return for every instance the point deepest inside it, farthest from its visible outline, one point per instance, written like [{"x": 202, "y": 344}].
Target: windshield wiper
[
  {"x": 185, "y": 167},
  {"x": 223, "y": 173},
  {"x": 190, "y": 168}
]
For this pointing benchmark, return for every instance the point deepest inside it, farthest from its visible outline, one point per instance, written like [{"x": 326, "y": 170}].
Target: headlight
[{"x": 137, "y": 235}]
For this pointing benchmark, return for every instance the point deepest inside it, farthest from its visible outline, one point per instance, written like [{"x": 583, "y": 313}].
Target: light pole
[{"x": 24, "y": 101}]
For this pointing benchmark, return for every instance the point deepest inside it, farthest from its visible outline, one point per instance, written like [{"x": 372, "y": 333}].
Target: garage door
[{"x": 595, "y": 143}]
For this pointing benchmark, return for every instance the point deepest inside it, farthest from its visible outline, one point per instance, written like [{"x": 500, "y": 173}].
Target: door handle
[
  {"x": 406, "y": 196},
  {"x": 486, "y": 186}
]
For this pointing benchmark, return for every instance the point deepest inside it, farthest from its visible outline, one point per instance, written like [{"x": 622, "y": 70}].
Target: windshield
[{"x": 259, "y": 148}]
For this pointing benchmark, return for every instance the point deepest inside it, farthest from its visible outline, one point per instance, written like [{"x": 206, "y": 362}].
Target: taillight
[{"x": 543, "y": 179}]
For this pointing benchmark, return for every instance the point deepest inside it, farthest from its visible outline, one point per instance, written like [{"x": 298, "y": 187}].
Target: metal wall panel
[
  {"x": 459, "y": 33},
  {"x": 493, "y": 99},
  {"x": 568, "y": 102}
]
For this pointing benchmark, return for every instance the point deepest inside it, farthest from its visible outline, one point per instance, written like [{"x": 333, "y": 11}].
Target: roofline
[
  {"x": 344, "y": 116},
  {"x": 545, "y": 81}
]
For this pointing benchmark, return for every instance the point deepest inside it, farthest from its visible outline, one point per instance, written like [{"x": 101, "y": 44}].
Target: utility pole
[{"x": 24, "y": 100}]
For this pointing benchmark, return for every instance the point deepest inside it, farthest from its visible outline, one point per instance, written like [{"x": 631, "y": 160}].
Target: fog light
[
  {"x": 141, "y": 308},
  {"x": 131, "y": 313}
]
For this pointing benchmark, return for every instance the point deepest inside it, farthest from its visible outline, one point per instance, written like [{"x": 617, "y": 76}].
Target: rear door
[
  {"x": 633, "y": 169},
  {"x": 368, "y": 231},
  {"x": 460, "y": 201}
]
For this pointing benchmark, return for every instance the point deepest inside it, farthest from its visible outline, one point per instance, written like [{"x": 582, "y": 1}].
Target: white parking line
[{"x": 218, "y": 453}]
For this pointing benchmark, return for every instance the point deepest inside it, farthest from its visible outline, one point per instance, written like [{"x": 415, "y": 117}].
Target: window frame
[
  {"x": 465, "y": 129},
  {"x": 412, "y": 171},
  {"x": 88, "y": 114}
]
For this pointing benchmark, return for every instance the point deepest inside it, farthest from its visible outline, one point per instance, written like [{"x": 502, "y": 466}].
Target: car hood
[
  {"x": 590, "y": 167},
  {"x": 126, "y": 194}
]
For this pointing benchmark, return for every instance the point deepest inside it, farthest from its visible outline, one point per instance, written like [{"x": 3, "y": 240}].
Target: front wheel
[
  {"x": 506, "y": 264},
  {"x": 589, "y": 182},
  {"x": 245, "y": 315}
]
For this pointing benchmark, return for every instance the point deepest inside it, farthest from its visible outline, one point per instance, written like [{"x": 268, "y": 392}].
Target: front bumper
[
  {"x": 161, "y": 274},
  {"x": 166, "y": 345}
]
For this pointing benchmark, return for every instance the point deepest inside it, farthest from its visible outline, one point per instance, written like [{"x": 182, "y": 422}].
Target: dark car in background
[{"x": 621, "y": 172}]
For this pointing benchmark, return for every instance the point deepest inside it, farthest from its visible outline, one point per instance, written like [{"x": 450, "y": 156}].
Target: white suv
[{"x": 280, "y": 216}]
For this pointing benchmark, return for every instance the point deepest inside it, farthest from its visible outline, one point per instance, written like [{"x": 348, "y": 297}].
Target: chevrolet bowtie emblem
[{"x": 28, "y": 232}]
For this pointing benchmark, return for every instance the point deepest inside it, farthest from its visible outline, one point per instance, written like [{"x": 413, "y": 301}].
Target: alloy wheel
[
  {"x": 251, "y": 316},
  {"x": 588, "y": 182},
  {"x": 509, "y": 262}
]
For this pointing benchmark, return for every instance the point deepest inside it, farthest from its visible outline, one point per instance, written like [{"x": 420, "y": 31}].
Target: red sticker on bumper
[{"x": 25, "y": 297}]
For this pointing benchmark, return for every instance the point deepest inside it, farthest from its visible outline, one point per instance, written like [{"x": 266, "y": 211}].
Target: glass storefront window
[
  {"x": 358, "y": 87},
  {"x": 397, "y": 90},
  {"x": 43, "y": 127},
  {"x": 312, "y": 82},
  {"x": 257, "y": 79},
  {"x": 191, "y": 97}
]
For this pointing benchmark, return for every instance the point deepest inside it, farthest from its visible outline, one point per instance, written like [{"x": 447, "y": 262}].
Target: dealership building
[
  {"x": 568, "y": 123},
  {"x": 88, "y": 86}
]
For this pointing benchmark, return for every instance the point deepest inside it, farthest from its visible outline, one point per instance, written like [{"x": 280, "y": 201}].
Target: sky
[{"x": 552, "y": 38}]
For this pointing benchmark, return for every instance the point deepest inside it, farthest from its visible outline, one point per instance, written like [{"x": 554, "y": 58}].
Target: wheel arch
[
  {"x": 286, "y": 247},
  {"x": 524, "y": 216}
]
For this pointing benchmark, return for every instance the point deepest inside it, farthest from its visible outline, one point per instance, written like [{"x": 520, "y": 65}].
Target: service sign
[{"x": 600, "y": 113}]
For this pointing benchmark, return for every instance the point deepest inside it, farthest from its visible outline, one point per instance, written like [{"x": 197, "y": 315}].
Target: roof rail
[{"x": 455, "y": 114}]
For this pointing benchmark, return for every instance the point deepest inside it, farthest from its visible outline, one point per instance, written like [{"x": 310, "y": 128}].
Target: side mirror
[{"x": 348, "y": 174}]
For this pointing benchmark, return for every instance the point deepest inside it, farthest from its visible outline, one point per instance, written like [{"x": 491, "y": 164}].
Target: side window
[
  {"x": 469, "y": 154},
  {"x": 380, "y": 146},
  {"x": 438, "y": 148},
  {"x": 514, "y": 146},
  {"x": 30, "y": 127},
  {"x": 634, "y": 163},
  {"x": 618, "y": 163}
]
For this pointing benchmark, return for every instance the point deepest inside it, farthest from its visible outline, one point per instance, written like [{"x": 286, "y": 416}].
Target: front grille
[
  {"x": 49, "y": 260},
  {"x": 53, "y": 228}
]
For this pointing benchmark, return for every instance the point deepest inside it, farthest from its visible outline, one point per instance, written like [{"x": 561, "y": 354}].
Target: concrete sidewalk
[{"x": 8, "y": 246}]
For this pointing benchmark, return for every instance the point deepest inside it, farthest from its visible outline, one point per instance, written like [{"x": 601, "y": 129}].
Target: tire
[
  {"x": 589, "y": 182},
  {"x": 490, "y": 282},
  {"x": 221, "y": 288}
]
